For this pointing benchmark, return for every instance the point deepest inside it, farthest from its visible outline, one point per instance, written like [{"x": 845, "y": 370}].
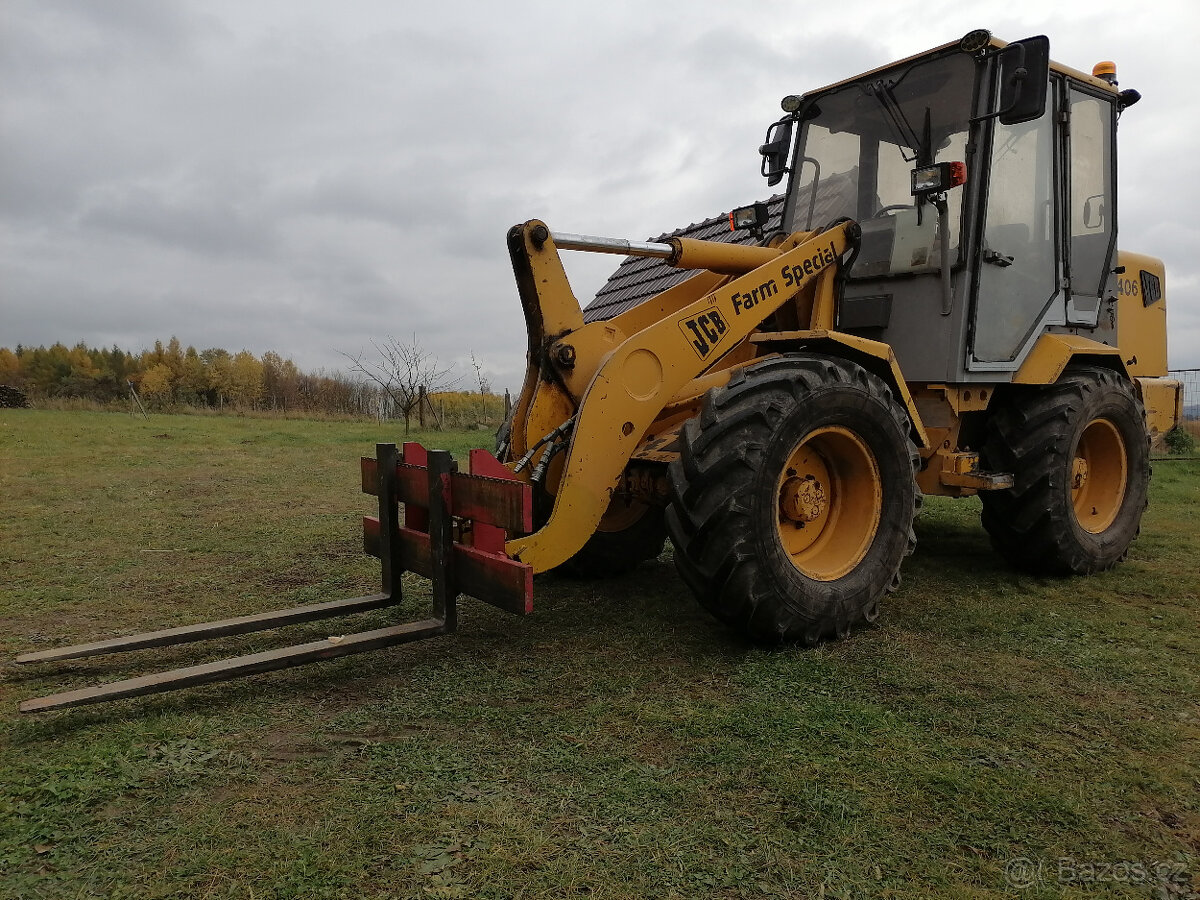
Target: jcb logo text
[{"x": 704, "y": 331}]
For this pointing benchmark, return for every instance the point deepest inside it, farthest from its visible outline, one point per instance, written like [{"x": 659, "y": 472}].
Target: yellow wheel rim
[
  {"x": 1099, "y": 473},
  {"x": 830, "y": 498},
  {"x": 622, "y": 513}
]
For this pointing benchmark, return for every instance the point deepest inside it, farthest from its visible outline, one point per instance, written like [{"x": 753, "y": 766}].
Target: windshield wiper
[{"x": 902, "y": 130}]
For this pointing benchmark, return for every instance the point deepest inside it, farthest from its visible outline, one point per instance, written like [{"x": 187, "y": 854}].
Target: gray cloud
[
  {"x": 296, "y": 177},
  {"x": 203, "y": 220}
]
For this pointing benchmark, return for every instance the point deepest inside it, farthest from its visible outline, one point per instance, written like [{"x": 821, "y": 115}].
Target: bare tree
[
  {"x": 406, "y": 373},
  {"x": 485, "y": 386}
]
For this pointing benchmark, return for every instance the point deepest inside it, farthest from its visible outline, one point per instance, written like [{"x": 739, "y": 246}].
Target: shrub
[{"x": 1179, "y": 441}]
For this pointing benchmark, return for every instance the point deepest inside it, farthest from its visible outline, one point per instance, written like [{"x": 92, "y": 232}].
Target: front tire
[
  {"x": 1079, "y": 452},
  {"x": 793, "y": 499}
]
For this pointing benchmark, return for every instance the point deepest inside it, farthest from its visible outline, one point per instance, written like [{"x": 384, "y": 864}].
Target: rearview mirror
[
  {"x": 1024, "y": 74},
  {"x": 776, "y": 149}
]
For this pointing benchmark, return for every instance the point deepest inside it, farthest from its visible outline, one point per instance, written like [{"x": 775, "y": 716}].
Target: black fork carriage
[{"x": 433, "y": 520}]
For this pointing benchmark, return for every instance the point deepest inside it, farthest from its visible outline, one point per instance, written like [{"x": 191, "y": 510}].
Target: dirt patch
[{"x": 286, "y": 746}]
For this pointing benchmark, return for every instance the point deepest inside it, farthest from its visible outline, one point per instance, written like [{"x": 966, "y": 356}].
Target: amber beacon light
[{"x": 1105, "y": 71}]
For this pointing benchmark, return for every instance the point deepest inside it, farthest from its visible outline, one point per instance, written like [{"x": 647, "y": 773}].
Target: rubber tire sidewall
[
  {"x": 1034, "y": 525},
  {"x": 1109, "y": 547},
  {"x": 725, "y": 492},
  {"x": 852, "y": 596}
]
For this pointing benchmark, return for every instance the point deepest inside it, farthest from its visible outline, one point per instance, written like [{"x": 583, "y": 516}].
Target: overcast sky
[{"x": 303, "y": 177}]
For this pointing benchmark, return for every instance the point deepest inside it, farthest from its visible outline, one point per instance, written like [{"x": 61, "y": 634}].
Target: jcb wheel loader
[
  {"x": 936, "y": 306},
  {"x": 974, "y": 332}
]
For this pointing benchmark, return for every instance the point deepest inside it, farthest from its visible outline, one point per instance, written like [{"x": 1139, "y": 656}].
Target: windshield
[{"x": 858, "y": 147}]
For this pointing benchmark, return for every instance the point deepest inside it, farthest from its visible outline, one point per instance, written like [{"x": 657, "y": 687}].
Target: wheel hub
[
  {"x": 1079, "y": 473},
  {"x": 804, "y": 499},
  {"x": 830, "y": 495}
]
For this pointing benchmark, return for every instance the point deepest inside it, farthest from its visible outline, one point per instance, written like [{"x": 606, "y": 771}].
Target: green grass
[{"x": 617, "y": 743}]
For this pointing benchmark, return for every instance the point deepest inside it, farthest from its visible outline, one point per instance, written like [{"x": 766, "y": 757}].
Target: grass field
[{"x": 992, "y": 730}]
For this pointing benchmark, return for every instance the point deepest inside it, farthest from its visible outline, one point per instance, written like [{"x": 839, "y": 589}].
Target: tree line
[{"x": 172, "y": 377}]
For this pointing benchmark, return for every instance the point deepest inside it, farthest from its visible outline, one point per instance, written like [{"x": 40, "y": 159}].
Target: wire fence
[
  {"x": 1191, "y": 393},
  {"x": 1182, "y": 443}
]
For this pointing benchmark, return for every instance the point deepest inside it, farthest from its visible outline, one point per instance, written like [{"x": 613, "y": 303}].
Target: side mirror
[
  {"x": 1024, "y": 75},
  {"x": 776, "y": 149}
]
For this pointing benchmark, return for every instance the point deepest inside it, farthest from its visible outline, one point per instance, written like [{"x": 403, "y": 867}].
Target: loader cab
[{"x": 1030, "y": 236}]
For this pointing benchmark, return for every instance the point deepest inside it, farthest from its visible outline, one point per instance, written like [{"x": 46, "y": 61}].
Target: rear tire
[
  {"x": 793, "y": 499},
  {"x": 630, "y": 533},
  {"x": 1079, "y": 452}
]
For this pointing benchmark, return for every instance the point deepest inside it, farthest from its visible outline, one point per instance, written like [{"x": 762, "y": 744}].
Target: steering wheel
[{"x": 893, "y": 207}]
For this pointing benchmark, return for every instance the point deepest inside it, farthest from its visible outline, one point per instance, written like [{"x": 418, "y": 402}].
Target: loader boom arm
[{"x": 638, "y": 377}]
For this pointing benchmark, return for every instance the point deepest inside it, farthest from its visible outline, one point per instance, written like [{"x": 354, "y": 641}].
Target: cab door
[
  {"x": 1018, "y": 252},
  {"x": 1089, "y": 138}
]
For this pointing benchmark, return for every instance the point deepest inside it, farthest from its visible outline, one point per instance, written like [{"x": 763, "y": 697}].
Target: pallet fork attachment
[{"x": 453, "y": 533}]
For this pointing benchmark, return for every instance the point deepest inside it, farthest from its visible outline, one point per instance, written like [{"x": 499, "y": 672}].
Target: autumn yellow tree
[
  {"x": 218, "y": 370},
  {"x": 173, "y": 358},
  {"x": 246, "y": 379},
  {"x": 10, "y": 367},
  {"x": 80, "y": 361},
  {"x": 169, "y": 375},
  {"x": 156, "y": 384},
  {"x": 281, "y": 381}
]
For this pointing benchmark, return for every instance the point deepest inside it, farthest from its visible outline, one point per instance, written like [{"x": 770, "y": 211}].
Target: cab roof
[{"x": 993, "y": 43}]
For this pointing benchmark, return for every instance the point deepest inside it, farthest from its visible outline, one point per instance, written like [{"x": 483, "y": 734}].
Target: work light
[{"x": 938, "y": 178}]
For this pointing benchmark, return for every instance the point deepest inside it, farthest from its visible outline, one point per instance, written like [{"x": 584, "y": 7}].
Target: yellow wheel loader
[{"x": 934, "y": 304}]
